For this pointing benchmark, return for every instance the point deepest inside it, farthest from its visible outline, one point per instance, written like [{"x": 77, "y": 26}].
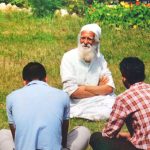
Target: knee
[
  {"x": 85, "y": 131},
  {"x": 79, "y": 138},
  {"x": 94, "y": 137},
  {"x": 6, "y": 140}
]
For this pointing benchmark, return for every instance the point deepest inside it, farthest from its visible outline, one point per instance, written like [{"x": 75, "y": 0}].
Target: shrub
[
  {"x": 119, "y": 16},
  {"x": 45, "y": 7},
  {"x": 40, "y": 8},
  {"x": 77, "y": 6},
  {"x": 19, "y": 3}
]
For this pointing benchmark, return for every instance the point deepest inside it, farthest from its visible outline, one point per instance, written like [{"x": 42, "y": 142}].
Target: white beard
[{"x": 87, "y": 52}]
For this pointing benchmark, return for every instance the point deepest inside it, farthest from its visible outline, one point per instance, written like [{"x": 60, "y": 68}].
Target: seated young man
[
  {"x": 38, "y": 115},
  {"x": 132, "y": 107}
]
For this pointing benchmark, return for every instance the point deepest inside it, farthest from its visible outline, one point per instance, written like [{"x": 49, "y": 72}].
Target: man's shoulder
[
  {"x": 14, "y": 93},
  {"x": 140, "y": 85},
  {"x": 100, "y": 56},
  {"x": 48, "y": 89},
  {"x": 58, "y": 92},
  {"x": 123, "y": 95},
  {"x": 70, "y": 56},
  {"x": 53, "y": 89},
  {"x": 71, "y": 52}
]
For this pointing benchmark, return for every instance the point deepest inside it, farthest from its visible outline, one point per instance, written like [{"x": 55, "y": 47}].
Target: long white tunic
[{"x": 75, "y": 72}]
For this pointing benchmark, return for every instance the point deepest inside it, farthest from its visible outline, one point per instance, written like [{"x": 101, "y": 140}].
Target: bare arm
[
  {"x": 88, "y": 91},
  {"x": 12, "y": 128},
  {"x": 65, "y": 127},
  {"x": 99, "y": 90},
  {"x": 81, "y": 93}
]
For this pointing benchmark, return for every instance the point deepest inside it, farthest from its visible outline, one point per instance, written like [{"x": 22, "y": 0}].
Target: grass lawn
[{"x": 24, "y": 38}]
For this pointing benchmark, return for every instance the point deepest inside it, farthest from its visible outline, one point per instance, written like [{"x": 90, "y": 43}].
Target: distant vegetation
[
  {"x": 123, "y": 15},
  {"x": 113, "y": 13}
]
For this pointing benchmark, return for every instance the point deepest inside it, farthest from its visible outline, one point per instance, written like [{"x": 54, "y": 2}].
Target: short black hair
[
  {"x": 133, "y": 69},
  {"x": 32, "y": 71}
]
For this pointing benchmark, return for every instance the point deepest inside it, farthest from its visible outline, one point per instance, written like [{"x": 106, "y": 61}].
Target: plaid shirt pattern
[{"x": 134, "y": 103}]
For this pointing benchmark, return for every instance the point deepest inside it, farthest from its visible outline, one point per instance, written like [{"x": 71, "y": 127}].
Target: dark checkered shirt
[{"x": 133, "y": 108}]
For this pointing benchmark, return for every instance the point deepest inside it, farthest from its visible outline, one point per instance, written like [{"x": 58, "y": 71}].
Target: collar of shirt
[
  {"x": 136, "y": 84},
  {"x": 37, "y": 82}
]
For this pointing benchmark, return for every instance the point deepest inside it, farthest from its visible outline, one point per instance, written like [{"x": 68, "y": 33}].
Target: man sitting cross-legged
[
  {"x": 38, "y": 116},
  {"x": 132, "y": 107},
  {"x": 86, "y": 77}
]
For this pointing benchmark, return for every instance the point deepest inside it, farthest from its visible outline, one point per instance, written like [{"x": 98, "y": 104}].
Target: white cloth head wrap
[{"x": 93, "y": 28}]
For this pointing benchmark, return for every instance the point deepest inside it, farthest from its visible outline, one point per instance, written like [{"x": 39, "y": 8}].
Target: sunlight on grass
[{"x": 24, "y": 38}]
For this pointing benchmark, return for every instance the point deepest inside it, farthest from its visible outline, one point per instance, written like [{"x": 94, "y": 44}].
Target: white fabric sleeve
[
  {"x": 106, "y": 72},
  {"x": 67, "y": 74},
  {"x": 9, "y": 110}
]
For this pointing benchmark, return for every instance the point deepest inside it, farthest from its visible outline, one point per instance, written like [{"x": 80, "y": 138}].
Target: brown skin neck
[{"x": 25, "y": 82}]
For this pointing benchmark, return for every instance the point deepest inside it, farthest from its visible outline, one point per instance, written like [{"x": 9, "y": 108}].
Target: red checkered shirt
[{"x": 134, "y": 103}]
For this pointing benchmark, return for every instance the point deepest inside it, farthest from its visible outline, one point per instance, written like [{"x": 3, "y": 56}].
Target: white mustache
[{"x": 86, "y": 45}]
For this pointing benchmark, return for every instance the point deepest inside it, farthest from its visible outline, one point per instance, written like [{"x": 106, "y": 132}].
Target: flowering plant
[{"x": 121, "y": 15}]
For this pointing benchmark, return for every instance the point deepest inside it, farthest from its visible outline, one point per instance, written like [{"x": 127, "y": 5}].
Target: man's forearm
[
  {"x": 89, "y": 91},
  {"x": 81, "y": 93},
  {"x": 99, "y": 90}
]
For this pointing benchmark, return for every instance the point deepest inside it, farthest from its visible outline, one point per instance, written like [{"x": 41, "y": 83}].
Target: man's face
[
  {"x": 87, "y": 37},
  {"x": 87, "y": 46}
]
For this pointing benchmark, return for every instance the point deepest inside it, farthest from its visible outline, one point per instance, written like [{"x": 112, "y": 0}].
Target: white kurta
[{"x": 76, "y": 72}]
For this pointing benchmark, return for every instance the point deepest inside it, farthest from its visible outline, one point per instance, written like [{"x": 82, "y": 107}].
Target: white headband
[{"x": 93, "y": 28}]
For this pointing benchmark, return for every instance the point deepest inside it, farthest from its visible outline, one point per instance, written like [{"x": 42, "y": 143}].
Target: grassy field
[{"x": 24, "y": 38}]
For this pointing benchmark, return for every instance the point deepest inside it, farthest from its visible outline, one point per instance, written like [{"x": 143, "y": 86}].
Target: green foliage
[
  {"x": 76, "y": 6},
  {"x": 19, "y": 3},
  {"x": 4, "y": 1},
  {"x": 45, "y": 7},
  {"x": 40, "y": 8},
  {"x": 119, "y": 16}
]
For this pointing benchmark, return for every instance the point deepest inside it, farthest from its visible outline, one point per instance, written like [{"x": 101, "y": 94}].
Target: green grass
[{"x": 24, "y": 38}]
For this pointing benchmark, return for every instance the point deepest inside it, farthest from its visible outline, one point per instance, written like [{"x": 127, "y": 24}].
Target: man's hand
[
  {"x": 125, "y": 135},
  {"x": 103, "y": 80}
]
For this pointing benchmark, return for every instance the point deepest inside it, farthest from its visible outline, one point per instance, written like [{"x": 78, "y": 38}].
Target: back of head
[
  {"x": 133, "y": 69},
  {"x": 34, "y": 71}
]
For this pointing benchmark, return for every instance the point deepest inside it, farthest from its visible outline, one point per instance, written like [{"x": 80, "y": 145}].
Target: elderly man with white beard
[{"x": 86, "y": 77}]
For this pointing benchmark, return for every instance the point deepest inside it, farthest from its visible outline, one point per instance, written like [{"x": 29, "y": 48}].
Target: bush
[
  {"x": 19, "y": 3},
  {"x": 119, "y": 16},
  {"x": 77, "y": 6},
  {"x": 45, "y": 7},
  {"x": 40, "y": 8}
]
